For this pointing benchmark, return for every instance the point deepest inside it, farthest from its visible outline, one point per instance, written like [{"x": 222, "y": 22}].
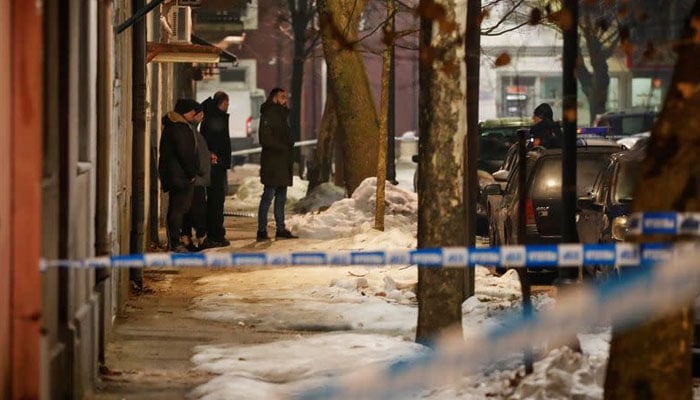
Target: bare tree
[{"x": 357, "y": 116}]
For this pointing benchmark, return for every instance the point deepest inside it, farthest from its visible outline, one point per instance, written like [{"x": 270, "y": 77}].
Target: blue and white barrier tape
[
  {"x": 647, "y": 293},
  {"x": 535, "y": 256},
  {"x": 664, "y": 223}
]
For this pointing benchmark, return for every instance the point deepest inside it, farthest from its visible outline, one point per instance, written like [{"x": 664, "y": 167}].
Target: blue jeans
[{"x": 280, "y": 195}]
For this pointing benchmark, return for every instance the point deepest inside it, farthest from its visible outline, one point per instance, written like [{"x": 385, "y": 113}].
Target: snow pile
[
  {"x": 349, "y": 217},
  {"x": 247, "y": 197},
  {"x": 320, "y": 198},
  {"x": 287, "y": 368}
]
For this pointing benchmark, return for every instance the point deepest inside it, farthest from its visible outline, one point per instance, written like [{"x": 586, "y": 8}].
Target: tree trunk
[
  {"x": 300, "y": 21},
  {"x": 320, "y": 171},
  {"x": 383, "y": 117},
  {"x": 654, "y": 361},
  {"x": 594, "y": 84},
  {"x": 442, "y": 124},
  {"x": 357, "y": 115},
  {"x": 339, "y": 156}
]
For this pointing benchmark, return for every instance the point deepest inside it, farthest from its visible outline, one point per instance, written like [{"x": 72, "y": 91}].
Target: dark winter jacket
[
  {"x": 203, "y": 177},
  {"x": 215, "y": 130},
  {"x": 277, "y": 144},
  {"x": 546, "y": 133},
  {"x": 177, "y": 165}
]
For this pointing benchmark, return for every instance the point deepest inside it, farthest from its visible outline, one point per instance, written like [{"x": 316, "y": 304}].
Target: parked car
[
  {"x": 543, "y": 202},
  {"x": 496, "y": 138},
  {"x": 604, "y": 210},
  {"x": 625, "y": 123}
]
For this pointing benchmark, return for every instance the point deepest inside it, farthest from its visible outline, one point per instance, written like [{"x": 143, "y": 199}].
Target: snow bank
[{"x": 349, "y": 217}]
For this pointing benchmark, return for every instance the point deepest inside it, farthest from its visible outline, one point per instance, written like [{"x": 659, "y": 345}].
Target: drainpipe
[
  {"x": 104, "y": 118},
  {"x": 138, "y": 163}
]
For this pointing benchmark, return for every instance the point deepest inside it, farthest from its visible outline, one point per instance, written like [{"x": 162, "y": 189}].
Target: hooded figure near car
[{"x": 545, "y": 133}]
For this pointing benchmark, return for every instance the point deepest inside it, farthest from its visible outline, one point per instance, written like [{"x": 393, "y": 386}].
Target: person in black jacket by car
[
  {"x": 276, "y": 162},
  {"x": 215, "y": 129},
  {"x": 177, "y": 166},
  {"x": 545, "y": 133}
]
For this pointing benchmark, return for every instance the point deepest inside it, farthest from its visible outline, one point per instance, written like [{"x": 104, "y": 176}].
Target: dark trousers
[
  {"x": 279, "y": 193},
  {"x": 196, "y": 217},
  {"x": 178, "y": 204},
  {"x": 216, "y": 195}
]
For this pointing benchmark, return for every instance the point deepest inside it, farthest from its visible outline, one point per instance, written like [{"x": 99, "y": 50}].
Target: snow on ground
[{"x": 357, "y": 317}]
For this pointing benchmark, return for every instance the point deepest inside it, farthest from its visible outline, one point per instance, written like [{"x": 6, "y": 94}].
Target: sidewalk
[{"x": 148, "y": 355}]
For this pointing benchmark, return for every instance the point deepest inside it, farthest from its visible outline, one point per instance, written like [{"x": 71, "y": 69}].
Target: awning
[{"x": 187, "y": 53}]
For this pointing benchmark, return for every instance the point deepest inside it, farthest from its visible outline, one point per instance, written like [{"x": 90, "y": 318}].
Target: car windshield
[
  {"x": 493, "y": 147},
  {"x": 546, "y": 182},
  {"x": 626, "y": 179}
]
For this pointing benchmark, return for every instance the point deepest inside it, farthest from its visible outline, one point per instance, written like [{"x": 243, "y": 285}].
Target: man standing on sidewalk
[
  {"x": 177, "y": 166},
  {"x": 215, "y": 129},
  {"x": 276, "y": 162}
]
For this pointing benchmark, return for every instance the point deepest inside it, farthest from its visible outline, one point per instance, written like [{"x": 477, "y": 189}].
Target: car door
[{"x": 592, "y": 219}]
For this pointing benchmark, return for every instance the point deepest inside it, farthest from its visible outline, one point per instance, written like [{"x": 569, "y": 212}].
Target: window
[
  {"x": 234, "y": 75},
  {"x": 626, "y": 181},
  {"x": 546, "y": 183}
]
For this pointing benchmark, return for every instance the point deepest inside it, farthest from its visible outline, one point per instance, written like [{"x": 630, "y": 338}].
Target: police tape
[
  {"x": 644, "y": 294},
  {"x": 664, "y": 223},
  {"x": 534, "y": 256}
]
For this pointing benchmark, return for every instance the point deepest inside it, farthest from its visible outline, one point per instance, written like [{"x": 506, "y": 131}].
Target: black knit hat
[
  {"x": 183, "y": 106},
  {"x": 544, "y": 111}
]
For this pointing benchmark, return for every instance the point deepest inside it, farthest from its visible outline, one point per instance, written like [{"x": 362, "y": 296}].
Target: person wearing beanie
[
  {"x": 178, "y": 165},
  {"x": 545, "y": 133},
  {"x": 196, "y": 217}
]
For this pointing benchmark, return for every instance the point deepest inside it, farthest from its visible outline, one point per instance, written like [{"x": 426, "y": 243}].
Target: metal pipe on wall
[{"x": 138, "y": 162}]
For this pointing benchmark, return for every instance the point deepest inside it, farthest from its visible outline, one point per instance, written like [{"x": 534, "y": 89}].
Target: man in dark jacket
[
  {"x": 177, "y": 166},
  {"x": 215, "y": 129},
  {"x": 276, "y": 162},
  {"x": 545, "y": 133}
]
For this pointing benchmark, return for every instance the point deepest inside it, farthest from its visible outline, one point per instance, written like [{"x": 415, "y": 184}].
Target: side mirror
[
  {"x": 414, "y": 158},
  {"x": 493, "y": 190},
  {"x": 500, "y": 175}
]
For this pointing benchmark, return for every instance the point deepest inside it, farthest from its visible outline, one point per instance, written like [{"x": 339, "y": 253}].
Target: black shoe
[
  {"x": 211, "y": 243},
  {"x": 285, "y": 234},
  {"x": 261, "y": 237}
]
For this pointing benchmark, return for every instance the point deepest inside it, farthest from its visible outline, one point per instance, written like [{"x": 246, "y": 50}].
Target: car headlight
[
  {"x": 619, "y": 228},
  {"x": 480, "y": 209}
]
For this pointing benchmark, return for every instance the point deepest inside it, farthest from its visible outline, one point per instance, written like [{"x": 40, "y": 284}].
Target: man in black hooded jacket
[
  {"x": 215, "y": 129},
  {"x": 177, "y": 166},
  {"x": 545, "y": 133}
]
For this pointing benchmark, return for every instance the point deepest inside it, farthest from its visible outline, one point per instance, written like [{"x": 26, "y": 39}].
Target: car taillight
[
  {"x": 529, "y": 212},
  {"x": 249, "y": 127}
]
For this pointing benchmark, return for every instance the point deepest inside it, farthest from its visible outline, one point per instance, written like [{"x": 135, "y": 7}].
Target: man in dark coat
[
  {"x": 276, "y": 162},
  {"x": 215, "y": 129},
  {"x": 177, "y": 166},
  {"x": 545, "y": 133}
]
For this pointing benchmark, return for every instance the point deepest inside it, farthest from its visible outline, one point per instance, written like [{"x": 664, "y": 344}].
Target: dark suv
[
  {"x": 543, "y": 202},
  {"x": 604, "y": 210}
]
